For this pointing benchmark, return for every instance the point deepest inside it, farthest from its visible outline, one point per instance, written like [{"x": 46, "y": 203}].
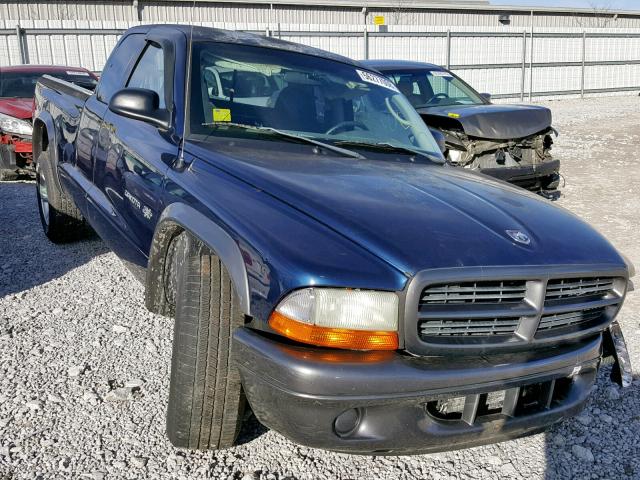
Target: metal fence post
[
  {"x": 20, "y": 39},
  {"x": 448, "y": 49},
  {"x": 584, "y": 58},
  {"x": 531, "y": 61},
  {"x": 365, "y": 33},
  {"x": 366, "y": 43},
  {"x": 523, "y": 75},
  {"x": 531, "y": 68}
]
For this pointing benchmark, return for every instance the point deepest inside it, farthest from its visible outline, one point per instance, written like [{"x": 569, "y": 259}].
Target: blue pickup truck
[{"x": 324, "y": 266}]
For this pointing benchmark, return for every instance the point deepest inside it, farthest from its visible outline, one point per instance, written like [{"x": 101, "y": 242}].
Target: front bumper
[
  {"x": 542, "y": 176},
  {"x": 387, "y": 403}
]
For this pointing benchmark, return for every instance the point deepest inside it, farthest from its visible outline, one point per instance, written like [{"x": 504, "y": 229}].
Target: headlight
[
  {"x": 455, "y": 155},
  {"x": 340, "y": 318},
  {"x": 14, "y": 125}
]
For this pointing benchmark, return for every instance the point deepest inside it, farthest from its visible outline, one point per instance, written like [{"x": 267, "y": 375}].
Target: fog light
[{"x": 347, "y": 422}]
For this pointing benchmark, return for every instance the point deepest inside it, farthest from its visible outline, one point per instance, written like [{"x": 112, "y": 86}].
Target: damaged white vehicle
[{"x": 509, "y": 142}]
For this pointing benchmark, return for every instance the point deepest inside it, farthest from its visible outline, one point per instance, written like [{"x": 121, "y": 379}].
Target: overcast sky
[{"x": 613, "y": 4}]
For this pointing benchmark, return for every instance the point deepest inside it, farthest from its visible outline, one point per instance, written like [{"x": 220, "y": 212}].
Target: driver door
[{"x": 136, "y": 157}]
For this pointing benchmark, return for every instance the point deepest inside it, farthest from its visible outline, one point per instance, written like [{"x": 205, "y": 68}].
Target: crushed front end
[
  {"x": 16, "y": 155},
  {"x": 526, "y": 162},
  {"x": 16, "y": 152}
]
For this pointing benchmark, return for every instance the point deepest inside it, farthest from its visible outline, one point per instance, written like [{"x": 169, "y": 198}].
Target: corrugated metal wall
[{"x": 181, "y": 11}]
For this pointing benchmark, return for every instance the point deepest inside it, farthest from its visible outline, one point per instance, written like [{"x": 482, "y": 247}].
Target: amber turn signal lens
[{"x": 333, "y": 337}]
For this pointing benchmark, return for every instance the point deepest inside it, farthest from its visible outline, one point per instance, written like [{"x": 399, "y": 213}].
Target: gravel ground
[{"x": 84, "y": 368}]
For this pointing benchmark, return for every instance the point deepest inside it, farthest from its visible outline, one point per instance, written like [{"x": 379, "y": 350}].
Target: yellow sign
[
  {"x": 378, "y": 20},
  {"x": 221, "y": 115}
]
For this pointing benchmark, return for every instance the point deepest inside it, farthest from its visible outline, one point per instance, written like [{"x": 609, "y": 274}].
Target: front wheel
[{"x": 206, "y": 401}]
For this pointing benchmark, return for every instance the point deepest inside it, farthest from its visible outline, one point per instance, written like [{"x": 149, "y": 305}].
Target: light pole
[{"x": 365, "y": 36}]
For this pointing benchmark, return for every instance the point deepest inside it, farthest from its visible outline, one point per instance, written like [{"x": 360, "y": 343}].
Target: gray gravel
[{"x": 84, "y": 367}]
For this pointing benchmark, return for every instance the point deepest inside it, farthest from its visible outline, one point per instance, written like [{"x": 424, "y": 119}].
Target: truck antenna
[{"x": 180, "y": 163}]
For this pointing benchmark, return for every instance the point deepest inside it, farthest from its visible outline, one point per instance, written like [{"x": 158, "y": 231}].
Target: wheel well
[
  {"x": 40, "y": 139},
  {"x": 157, "y": 299},
  {"x": 178, "y": 218}
]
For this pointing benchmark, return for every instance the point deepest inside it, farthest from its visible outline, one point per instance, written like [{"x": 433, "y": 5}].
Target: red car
[{"x": 17, "y": 87}]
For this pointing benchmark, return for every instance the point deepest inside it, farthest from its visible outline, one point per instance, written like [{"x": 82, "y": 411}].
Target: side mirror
[
  {"x": 486, "y": 96},
  {"x": 140, "y": 104},
  {"x": 439, "y": 138}
]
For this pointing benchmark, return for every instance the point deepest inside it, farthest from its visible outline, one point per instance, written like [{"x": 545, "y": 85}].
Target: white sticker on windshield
[
  {"x": 76, "y": 72},
  {"x": 376, "y": 80},
  {"x": 440, "y": 73}
]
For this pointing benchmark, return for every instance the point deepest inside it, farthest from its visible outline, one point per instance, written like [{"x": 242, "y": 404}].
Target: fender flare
[
  {"x": 175, "y": 219},
  {"x": 46, "y": 120}
]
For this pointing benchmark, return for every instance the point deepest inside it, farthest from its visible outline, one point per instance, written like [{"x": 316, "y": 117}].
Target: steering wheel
[
  {"x": 344, "y": 126},
  {"x": 438, "y": 96}
]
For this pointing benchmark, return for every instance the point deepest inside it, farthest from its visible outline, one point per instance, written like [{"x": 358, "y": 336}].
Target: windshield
[
  {"x": 321, "y": 99},
  {"x": 434, "y": 87},
  {"x": 23, "y": 84}
]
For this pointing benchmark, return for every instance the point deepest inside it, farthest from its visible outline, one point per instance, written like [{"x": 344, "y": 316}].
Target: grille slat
[
  {"x": 475, "y": 292},
  {"x": 470, "y": 327},
  {"x": 451, "y": 297},
  {"x": 548, "y": 322},
  {"x": 576, "y": 288},
  {"x": 479, "y": 288}
]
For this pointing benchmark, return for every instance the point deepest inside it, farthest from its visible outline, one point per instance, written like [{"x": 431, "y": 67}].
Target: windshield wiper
[
  {"x": 392, "y": 148},
  {"x": 292, "y": 136}
]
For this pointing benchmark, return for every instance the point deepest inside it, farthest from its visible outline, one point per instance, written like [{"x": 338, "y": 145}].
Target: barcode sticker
[{"x": 377, "y": 80}]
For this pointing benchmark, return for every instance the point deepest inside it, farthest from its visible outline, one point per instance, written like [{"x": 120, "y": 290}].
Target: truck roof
[
  {"x": 231, "y": 36},
  {"x": 399, "y": 65}
]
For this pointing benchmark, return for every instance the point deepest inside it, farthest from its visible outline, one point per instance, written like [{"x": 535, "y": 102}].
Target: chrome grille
[
  {"x": 474, "y": 292},
  {"x": 578, "y": 287},
  {"x": 558, "y": 320},
  {"x": 469, "y": 327}
]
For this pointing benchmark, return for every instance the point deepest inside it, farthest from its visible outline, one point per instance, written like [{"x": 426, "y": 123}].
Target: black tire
[
  {"x": 61, "y": 220},
  {"x": 206, "y": 402}
]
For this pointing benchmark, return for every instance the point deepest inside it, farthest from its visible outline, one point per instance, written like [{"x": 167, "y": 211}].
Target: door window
[
  {"x": 149, "y": 72},
  {"x": 117, "y": 66}
]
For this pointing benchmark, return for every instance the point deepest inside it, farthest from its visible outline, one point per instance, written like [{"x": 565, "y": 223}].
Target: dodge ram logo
[{"x": 519, "y": 236}]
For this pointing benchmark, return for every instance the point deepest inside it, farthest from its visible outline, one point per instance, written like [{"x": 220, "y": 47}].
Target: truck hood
[
  {"x": 492, "y": 122},
  {"x": 420, "y": 216},
  {"x": 21, "y": 108}
]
